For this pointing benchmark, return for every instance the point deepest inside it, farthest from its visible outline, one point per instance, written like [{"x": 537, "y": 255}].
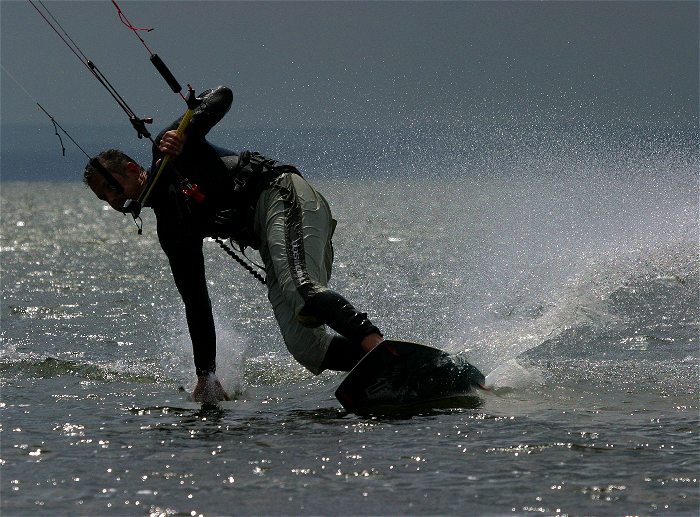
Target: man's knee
[{"x": 307, "y": 346}]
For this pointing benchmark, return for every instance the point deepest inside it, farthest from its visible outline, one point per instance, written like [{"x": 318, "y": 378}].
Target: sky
[{"x": 362, "y": 64}]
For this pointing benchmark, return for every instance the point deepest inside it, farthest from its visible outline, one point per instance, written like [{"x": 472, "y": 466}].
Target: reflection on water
[{"x": 592, "y": 325}]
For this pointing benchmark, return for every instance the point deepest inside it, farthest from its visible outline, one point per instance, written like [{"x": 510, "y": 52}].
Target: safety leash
[{"x": 242, "y": 262}]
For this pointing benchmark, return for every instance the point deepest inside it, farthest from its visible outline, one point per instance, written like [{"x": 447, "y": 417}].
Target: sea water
[{"x": 563, "y": 264}]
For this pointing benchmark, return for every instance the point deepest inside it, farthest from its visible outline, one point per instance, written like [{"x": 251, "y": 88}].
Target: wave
[
  {"x": 16, "y": 365},
  {"x": 638, "y": 304}
]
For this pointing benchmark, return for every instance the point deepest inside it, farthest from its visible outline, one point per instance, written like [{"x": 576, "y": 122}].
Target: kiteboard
[{"x": 399, "y": 375}]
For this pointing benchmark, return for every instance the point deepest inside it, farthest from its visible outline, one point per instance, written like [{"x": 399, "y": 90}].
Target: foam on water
[{"x": 512, "y": 375}]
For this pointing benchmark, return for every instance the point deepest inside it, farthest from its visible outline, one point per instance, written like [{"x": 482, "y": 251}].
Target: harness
[{"x": 252, "y": 173}]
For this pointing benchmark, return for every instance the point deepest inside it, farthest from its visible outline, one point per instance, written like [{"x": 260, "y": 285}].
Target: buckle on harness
[{"x": 192, "y": 191}]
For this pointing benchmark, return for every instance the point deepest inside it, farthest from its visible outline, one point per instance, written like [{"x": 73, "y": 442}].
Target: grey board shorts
[{"x": 295, "y": 228}]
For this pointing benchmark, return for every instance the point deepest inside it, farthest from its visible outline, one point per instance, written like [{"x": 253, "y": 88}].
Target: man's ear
[{"x": 133, "y": 168}]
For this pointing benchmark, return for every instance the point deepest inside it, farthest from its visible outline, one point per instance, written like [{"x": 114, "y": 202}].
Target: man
[{"x": 259, "y": 203}]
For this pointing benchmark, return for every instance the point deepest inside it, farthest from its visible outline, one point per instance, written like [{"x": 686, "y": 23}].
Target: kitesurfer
[{"x": 256, "y": 202}]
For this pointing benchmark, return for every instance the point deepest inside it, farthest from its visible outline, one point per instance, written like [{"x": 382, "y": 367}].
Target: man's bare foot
[
  {"x": 209, "y": 390},
  {"x": 370, "y": 341}
]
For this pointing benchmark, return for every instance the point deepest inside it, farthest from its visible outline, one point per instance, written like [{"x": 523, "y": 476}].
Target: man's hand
[
  {"x": 171, "y": 143},
  {"x": 209, "y": 390}
]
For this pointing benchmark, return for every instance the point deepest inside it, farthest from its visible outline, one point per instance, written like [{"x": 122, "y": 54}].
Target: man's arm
[
  {"x": 214, "y": 106},
  {"x": 187, "y": 266},
  {"x": 184, "y": 252},
  {"x": 181, "y": 239}
]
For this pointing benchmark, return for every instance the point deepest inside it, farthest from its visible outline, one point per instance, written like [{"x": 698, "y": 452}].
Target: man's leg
[
  {"x": 342, "y": 355},
  {"x": 296, "y": 227}
]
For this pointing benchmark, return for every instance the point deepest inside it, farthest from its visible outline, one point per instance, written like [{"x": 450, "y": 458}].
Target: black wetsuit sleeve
[
  {"x": 215, "y": 104},
  {"x": 184, "y": 252}
]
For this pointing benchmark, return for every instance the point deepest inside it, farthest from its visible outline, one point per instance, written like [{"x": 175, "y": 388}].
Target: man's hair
[{"x": 113, "y": 160}]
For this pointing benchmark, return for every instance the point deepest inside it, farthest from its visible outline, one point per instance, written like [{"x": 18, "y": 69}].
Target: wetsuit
[{"x": 268, "y": 206}]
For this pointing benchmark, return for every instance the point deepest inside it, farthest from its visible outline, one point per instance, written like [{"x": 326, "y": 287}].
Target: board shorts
[{"x": 295, "y": 227}]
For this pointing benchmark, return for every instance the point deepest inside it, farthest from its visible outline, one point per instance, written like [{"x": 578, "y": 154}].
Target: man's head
[{"x": 114, "y": 177}]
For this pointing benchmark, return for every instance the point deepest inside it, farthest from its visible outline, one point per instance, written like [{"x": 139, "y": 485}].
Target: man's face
[{"x": 132, "y": 180}]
